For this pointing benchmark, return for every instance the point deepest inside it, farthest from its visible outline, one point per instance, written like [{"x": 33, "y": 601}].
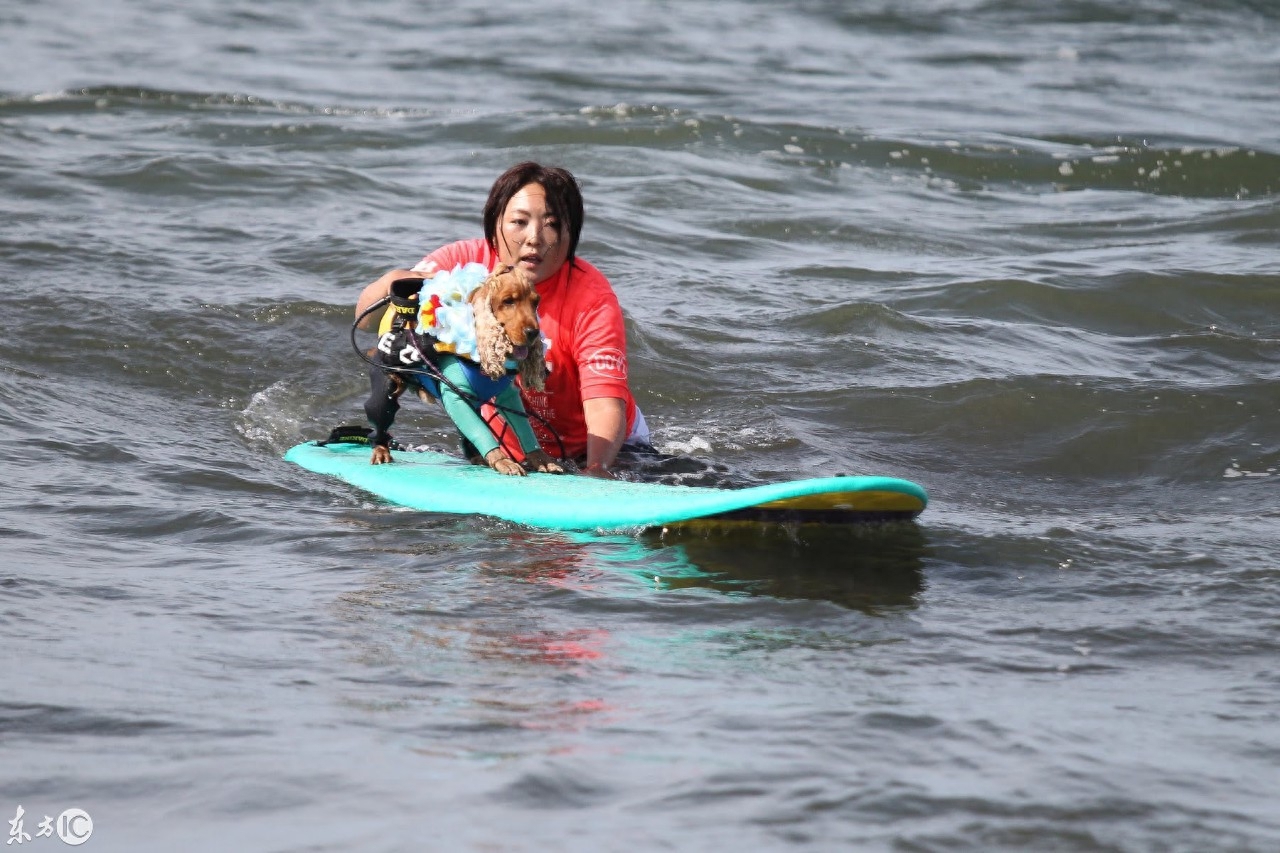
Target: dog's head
[{"x": 506, "y": 311}]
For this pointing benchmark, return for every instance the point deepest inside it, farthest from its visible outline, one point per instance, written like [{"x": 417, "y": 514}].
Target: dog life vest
[
  {"x": 446, "y": 324},
  {"x": 445, "y": 337},
  {"x": 445, "y": 313}
]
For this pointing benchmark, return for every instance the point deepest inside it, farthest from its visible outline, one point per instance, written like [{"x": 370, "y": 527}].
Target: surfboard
[{"x": 436, "y": 482}]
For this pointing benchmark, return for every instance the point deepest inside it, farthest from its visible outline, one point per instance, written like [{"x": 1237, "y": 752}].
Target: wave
[{"x": 1155, "y": 164}]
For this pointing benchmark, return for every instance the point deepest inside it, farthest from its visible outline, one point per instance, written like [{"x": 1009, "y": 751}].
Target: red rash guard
[{"x": 587, "y": 345}]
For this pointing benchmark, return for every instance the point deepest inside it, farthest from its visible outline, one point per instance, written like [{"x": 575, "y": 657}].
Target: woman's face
[{"x": 530, "y": 236}]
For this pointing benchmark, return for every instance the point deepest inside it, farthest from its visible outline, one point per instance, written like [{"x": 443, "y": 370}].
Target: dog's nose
[{"x": 531, "y": 336}]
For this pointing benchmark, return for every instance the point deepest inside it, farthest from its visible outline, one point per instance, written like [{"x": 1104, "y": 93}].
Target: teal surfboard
[{"x": 435, "y": 482}]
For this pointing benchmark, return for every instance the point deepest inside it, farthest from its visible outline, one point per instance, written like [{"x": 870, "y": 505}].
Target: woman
[{"x": 532, "y": 220}]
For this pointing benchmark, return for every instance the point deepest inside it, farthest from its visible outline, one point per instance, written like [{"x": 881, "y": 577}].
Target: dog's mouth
[{"x": 520, "y": 353}]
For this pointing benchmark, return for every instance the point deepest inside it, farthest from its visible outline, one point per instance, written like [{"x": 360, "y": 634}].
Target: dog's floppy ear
[
  {"x": 491, "y": 344},
  {"x": 533, "y": 370}
]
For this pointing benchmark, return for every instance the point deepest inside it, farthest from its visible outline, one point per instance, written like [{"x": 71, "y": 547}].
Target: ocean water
[{"x": 1024, "y": 254}]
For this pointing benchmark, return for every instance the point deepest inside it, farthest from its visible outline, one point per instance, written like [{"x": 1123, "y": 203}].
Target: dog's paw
[
  {"x": 508, "y": 467},
  {"x": 498, "y": 460},
  {"x": 381, "y": 456},
  {"x": 542, "y": 462}
]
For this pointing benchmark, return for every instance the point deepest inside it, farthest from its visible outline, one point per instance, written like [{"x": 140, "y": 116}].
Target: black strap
[{"x": 348, "y": 435}]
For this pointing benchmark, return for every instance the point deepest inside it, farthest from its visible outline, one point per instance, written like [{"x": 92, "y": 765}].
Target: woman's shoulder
[
  {"x": 589, "y": 293},
  {"x": 583, "y": 275},
  {"x": 585, "y": 266}
]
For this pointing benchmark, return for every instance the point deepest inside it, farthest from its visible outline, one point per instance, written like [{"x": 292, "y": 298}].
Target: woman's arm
[{"x": 606, "y": 430}]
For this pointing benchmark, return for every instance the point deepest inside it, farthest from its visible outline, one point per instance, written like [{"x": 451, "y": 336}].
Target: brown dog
[
  {"x": 505, "y": 308},
  {"x": 506, "y": 311}
]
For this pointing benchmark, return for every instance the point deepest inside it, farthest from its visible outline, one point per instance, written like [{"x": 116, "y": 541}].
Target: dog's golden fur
[{"x": 506, "y": 311}]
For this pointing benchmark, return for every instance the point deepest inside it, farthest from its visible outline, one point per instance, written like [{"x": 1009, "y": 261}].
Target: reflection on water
[
  {"x": 516, "y": 630},
  {"x": 863, "y": 567}
]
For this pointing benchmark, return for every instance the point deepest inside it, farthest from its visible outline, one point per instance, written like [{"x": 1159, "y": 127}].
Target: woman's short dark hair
[{"x": 564, "y": 199}]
